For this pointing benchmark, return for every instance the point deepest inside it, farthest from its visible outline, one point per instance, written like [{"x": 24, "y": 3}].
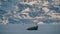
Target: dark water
[{"x": 21, "y": 29}]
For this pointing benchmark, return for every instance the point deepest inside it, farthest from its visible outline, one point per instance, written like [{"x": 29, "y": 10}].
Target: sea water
[{"x": 21, "y": 29}]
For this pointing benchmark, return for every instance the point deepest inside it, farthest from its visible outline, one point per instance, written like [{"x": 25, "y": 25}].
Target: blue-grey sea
[{"x": 21, "y": 29}]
